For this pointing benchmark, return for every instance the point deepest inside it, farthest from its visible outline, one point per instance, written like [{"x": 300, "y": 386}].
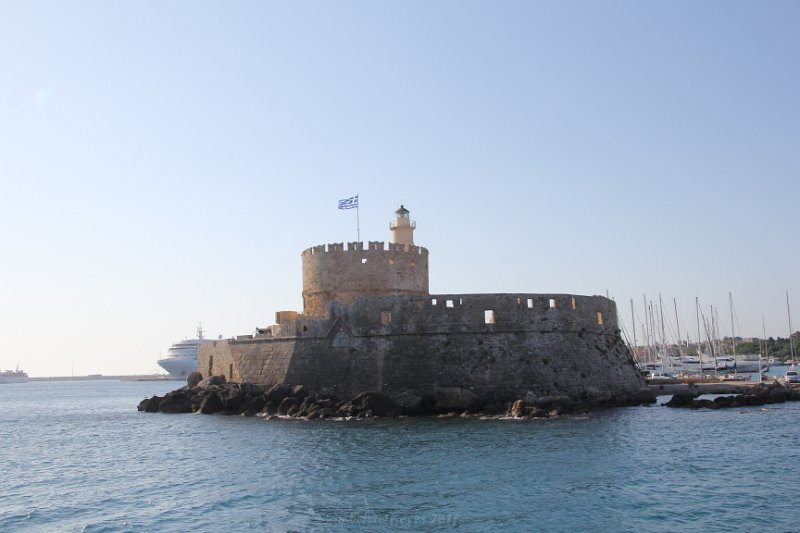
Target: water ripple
[{"x": 80, "y": 458}]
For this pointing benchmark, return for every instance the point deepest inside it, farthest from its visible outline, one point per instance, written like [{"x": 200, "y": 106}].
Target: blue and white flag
[{"x": 349, "y": 203}]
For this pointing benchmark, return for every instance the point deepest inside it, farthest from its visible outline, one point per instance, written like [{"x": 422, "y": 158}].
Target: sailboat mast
[
  {"x": 733, "y": 334},
  {"x": 677, "y": 322},
  {"x": 697, "y": 314},
  {"x": 663, "y": 336},
  {"x": 633, "y": 326},
  {"x": 763, "y": 332},
  {"x": 713, "y": 341},
  {"x": 791, "y": 342},
  {"x": 647, "y": 330}
]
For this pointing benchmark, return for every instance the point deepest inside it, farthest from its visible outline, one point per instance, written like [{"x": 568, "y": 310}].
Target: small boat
[
  {"x": 662, "y": 377},
  {"x": 13, "y": 376},
  {"x": 735, "y": 377}
]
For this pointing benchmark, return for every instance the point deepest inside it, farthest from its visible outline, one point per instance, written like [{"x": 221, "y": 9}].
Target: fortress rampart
[
  {"x": 496, "y": 346},
  {"x": 338, "y": 273}
]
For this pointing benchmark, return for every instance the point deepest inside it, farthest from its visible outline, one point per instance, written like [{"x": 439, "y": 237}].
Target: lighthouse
[{"x": 402, "y": 227}]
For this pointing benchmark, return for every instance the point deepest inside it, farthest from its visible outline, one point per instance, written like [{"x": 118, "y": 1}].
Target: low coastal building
[{"x": 369, "y": 323}]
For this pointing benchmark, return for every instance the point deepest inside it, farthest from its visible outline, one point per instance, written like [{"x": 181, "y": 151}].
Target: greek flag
[{"x": 349, "y": 203}]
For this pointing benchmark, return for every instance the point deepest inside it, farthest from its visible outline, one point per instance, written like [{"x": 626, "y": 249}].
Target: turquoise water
[{"x": 78, "y": 456}]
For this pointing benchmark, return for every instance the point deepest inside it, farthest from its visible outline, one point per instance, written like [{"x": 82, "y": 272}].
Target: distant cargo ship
[{"x": 181, "y": 358}]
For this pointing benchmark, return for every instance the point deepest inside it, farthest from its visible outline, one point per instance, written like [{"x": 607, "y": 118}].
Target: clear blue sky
[{"x": 165, "y": 163}]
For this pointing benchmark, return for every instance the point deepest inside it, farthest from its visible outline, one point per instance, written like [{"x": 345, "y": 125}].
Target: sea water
[{"x": 78, "y": 456}]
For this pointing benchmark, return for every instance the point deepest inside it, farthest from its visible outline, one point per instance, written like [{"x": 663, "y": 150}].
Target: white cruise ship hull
[
  {"x": 178, "y": 367},
  {"x": 6, "y": 378}
]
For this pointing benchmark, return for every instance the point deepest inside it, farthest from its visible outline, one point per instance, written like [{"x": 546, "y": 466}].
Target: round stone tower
[{"x": 335, "y": 273}]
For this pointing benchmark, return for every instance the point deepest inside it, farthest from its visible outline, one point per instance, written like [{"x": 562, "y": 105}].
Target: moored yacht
[{"x": 181, "y": 358}]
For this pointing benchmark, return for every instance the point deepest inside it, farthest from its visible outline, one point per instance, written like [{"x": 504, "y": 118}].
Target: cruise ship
[
  {"x": 181, "y": 358},
  {"x": 13, "y": 376}
]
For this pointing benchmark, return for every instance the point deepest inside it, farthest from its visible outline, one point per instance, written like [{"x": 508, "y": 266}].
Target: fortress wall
[
  {"x": 532, "y": 348},
  {"x": 343, "y": 273},
  {"x": 256, "y": 361},
  {"x": 445, "y": 313}
]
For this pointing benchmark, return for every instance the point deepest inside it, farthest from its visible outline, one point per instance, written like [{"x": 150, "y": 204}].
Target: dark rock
[
  {"x": 257, "y": 403},
  {"x": 377, "y": 403},
  {"x": 518, "y": 409},
  {"x": 193, "y": 379},
  {"x": 326, "y": 412},
  {"x": 176, "y": 402},
  {"x": 286, "y": 405},
  {"x": 413, "y": 403},
  {"x": 215, "y": 394},
  {"x": 212, "y": 380},
  {"x": 211, "y": 404},
  {"x": 536, "y": 412},
  {"x": 681, "y": 400},
  {"x": 269, "y": 409},
  {"x": 299, "y": 392},
  {"x": 277, "y": 393},
  {"x": 232, "y": 398},
  {"x": 757, "y": 395},
  {"x": 251, "y": 389},
  {"x": 450, "y": 398},
  {"x": 150, "y": 405},
  {"x": 325, "y": 402}
]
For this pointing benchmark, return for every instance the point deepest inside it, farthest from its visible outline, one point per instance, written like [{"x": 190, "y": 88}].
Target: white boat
[
  {"x": 13, "y": 376},
  {"x": 735, "y": 377},
  {"x": 181, "y": 358}
]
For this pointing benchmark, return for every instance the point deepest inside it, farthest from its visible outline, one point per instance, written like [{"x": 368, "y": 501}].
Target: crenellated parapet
[
  {"x": 459, "y": 313},
  {"x": 341, "y": 273}
]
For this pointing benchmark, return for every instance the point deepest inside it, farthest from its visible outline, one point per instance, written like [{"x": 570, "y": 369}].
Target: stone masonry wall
[
  {"x": 497, "y": 346},
  {"x": 338, "y": 273}
]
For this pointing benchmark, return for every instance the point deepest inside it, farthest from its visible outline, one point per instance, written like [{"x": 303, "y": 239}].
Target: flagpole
[{"x": 358, "y": 223}]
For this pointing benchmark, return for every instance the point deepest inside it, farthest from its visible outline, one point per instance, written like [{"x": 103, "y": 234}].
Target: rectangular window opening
[
  {"x": 530, "y": 303},
  {"x": 363, "y": 260},
  {"x": 210, "y": 364},
  {"x": 599, "y": 318},
  {"x": 552, "y": 303},
  {"x": 433, "y": 301},
  {"x": 386, "y": 317},
  {"x": 488, "y": 316},
  {"x": 449, "y": 303},
  {"x": 573, "y": 303},
  {"x": 230, "y": 372}
]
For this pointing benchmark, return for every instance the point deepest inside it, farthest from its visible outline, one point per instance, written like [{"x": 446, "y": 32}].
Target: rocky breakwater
[
  {"x": 216, "y": 395},
  {"x": 761, "y": 394}
]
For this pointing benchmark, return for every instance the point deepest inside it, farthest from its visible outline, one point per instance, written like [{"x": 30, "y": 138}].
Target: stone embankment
[
  {"x": 737, "y": 396},
  {"x": 215, "y": 395}
]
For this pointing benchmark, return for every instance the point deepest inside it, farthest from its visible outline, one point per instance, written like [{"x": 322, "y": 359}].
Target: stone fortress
[{"x": 369, "y": 323}]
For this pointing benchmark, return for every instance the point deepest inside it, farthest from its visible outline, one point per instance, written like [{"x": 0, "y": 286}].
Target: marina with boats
[{"x": 711, "y": 357}]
